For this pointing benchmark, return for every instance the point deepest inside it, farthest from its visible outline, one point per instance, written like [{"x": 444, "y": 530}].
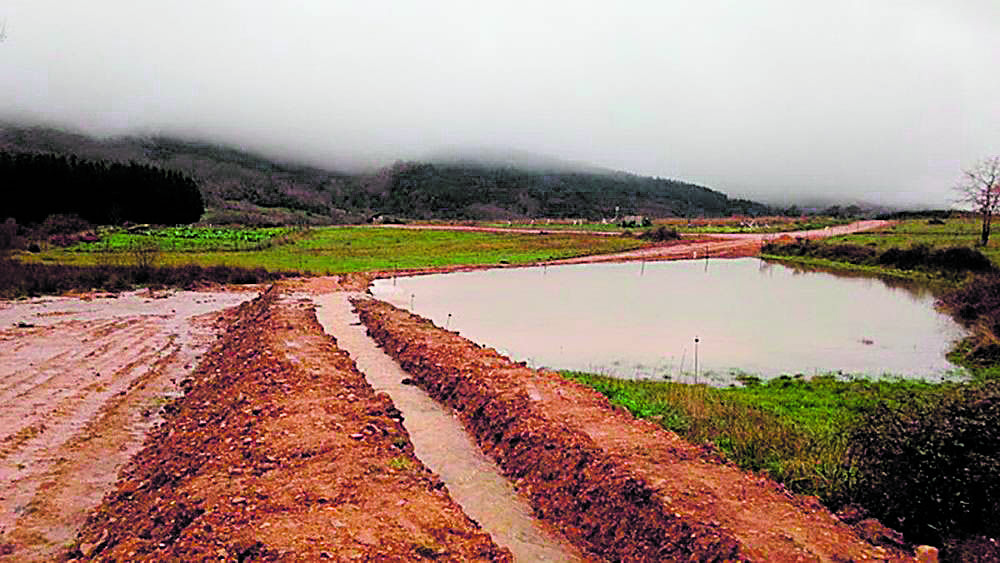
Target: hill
[{"x": 242, "y": 187}]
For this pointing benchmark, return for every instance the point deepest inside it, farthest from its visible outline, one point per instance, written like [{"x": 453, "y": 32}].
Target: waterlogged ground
[
  {"x": 81, "y": 381},
  {"x": 641, "y": 319}
]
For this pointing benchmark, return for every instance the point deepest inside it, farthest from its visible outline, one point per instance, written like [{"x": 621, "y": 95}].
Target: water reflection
[{"x": 640, "y": 320}]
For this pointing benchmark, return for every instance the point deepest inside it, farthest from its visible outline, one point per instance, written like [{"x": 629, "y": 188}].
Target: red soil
[
  {"x": 621, "y": 488},
  {"x": 280, "y": 450}
]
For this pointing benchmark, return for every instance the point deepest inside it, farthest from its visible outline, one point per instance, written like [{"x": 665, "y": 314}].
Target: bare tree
[{"x": 980, "y": 187}]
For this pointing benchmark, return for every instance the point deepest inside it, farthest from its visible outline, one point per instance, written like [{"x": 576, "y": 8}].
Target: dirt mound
[
  {"x": 280, "y": 449},
  {"x": 621, "y": 488}
]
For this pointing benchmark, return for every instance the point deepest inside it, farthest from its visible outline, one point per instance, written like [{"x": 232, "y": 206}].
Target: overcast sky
[{"x": 879, "y": 100}]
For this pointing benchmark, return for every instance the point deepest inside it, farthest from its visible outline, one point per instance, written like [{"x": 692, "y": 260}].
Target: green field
[
  {"x": 954, "y": 232},
  {"x": 331, "y": 249},
  {"x": 863, "y": 252},
  {"x": 190, "y": 239}
]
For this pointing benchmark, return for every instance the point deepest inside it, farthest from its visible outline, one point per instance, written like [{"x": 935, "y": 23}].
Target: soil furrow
[
  {"x": 263, "y": 458},
  {"x": 620, "y": 487}
]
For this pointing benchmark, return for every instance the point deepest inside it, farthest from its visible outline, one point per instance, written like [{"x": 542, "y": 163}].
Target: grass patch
[
  {"x": 936, "y": 234},
  {"x": 924, "y": 458},
  {"x": 356, "y": 249},
  {"x": 795, "y": 429},
  {"x": 400, "y": 463}
]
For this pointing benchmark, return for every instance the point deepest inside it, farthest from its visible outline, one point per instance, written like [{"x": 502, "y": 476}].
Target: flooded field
[{"x": 641, "y": 320}]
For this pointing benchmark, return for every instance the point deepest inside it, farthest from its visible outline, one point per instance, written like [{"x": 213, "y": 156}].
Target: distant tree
[{"x": 980, "y": 187}]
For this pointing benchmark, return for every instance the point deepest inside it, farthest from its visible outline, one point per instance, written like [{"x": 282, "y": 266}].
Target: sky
[{"x": 882, "y": 101}]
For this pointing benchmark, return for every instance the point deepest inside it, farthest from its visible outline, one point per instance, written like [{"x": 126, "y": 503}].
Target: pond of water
[{"x": 642, "y": 320}]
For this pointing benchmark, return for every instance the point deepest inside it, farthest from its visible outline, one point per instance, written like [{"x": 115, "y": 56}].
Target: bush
[
  {"x": 978, "y": 301},
  {"x": 931, "y": 467},
  {"x": 660, "y": 234},
  {"x": 956, "y": 260}
]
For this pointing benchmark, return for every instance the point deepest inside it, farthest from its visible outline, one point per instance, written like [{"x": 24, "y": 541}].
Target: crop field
[
  {"x": 331, "y": 249},
  {"x": 190, "y": 239}
]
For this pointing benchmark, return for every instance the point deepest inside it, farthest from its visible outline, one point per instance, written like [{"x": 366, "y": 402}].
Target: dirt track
[{"x": 689, "y": 247}]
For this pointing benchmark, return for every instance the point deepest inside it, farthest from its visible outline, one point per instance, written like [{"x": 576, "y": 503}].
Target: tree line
[
  {"x": 423, "y": 191},
  {"x": 34, "y": 186}
]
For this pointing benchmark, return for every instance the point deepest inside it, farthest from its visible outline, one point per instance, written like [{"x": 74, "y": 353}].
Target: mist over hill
[{"x": 243, "y": 187}]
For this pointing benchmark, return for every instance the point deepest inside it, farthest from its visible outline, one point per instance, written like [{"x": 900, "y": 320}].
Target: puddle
[{"x": 441, "y": 443}]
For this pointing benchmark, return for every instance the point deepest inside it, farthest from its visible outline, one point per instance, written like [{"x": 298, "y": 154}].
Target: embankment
[
  {"x": 280, "y": 449},
  {"x": 621, "y": 488}
]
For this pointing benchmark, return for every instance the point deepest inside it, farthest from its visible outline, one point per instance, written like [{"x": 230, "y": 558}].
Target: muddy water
[
  {"x": 641, "y": 320},
  {"x": 440, "y": 442}
]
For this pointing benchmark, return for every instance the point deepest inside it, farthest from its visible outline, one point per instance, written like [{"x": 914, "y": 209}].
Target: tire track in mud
[
  {"x": 78, "y": 397},
  {"x": 439, "y": 440}
]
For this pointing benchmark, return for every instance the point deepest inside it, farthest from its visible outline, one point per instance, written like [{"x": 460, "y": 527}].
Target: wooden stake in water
[
  {"x": 412, "y": 295},
  {"x": 696, "y": 360}
]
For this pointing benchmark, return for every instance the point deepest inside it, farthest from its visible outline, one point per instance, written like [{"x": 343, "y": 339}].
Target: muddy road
[{"x": 81, "y": 382}]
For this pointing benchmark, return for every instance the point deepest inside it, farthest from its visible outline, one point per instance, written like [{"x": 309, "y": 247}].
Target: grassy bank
[
  {"x": 333, "y": 249},
  {"x": 951, "y": 232},
  {"x": 924, "y": 458},
  {"x": 793, "y": 428}
]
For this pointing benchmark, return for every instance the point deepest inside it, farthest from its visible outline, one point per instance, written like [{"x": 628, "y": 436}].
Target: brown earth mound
[
  {"x": 623, "y": 489},
  {"x": 280, "y": 450}
]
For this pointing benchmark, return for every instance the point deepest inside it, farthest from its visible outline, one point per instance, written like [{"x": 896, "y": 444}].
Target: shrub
[
  {"x": 978, "y": 301},
  {"x": 660, "y": 234},
  {"x": 931, "y": 467},
  {"x": 961, "y": 258}
]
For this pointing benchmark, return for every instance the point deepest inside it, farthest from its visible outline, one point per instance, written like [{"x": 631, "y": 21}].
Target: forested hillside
[
  {"x": 241, "y": 187},
  {"x": 35, "y": 186}
]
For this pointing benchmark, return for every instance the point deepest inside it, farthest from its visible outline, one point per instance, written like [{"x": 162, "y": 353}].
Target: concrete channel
[{"x": 473, "y": 480}]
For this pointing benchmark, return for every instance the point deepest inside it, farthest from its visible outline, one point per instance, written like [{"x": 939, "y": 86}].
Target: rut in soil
[{"x": 441, "y": 443}]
